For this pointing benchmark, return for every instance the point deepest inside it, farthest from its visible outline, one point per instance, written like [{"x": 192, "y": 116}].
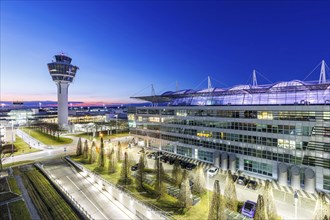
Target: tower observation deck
[{"x": 62, "y": 73}]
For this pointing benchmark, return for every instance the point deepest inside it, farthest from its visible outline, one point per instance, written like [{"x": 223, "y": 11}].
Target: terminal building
[{"x": 279, "y": 132}]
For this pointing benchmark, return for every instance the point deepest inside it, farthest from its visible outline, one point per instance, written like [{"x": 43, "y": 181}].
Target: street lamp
[
  {"x": 116, "y": 123},
  {"x": 295, "y": 196}
]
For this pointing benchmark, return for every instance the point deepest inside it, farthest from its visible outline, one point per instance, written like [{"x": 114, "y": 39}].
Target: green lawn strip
[
  {"x": 59, "y": 209},
  {"x": 4, "y": 214},
  {"x": 13, "y": 185},
  {"x": 168, "y": 203},
  {"x": 21, "y": 147},
  {"x": 3, "y": 185},
  {"x": 46, "y": 138},
  {"x": 19, "y": 211},
  {"x": 17, "y": 163},
  {"x": 105, "y": 136},
  {"x": 37, "y": 200},
  {"x": 7, "y": 196}
]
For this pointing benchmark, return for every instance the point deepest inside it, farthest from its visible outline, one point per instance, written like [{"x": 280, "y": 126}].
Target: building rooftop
[{"x": 281, "y": 93}]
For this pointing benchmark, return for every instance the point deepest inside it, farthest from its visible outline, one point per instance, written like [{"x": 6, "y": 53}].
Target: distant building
[{"x": 2, "y": 134}]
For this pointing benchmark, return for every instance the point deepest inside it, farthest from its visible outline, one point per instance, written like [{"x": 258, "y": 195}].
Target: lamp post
[
  {"x": 116, "y": 123},
  {"x": 295, "y": 196}
]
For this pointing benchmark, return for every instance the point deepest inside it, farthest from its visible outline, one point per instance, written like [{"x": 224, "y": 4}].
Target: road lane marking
[
  {"x": 86, "y": 197},
  {"x": 113, "y": 200}
]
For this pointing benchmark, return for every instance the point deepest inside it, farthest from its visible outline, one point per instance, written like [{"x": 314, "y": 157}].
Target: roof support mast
[
  {"x": 209, "y": 85},
  {"x": 322, "y": 73},
  {"x": 254, "y": 81}
]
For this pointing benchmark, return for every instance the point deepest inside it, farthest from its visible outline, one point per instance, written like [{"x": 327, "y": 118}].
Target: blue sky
[{"x": 122, "y": 47}]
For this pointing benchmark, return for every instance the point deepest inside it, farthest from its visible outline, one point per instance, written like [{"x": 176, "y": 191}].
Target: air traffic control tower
[{"x": 62, "y": 73}]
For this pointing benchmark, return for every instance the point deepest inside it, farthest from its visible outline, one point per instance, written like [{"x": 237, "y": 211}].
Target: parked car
[
  {"x": 249, "y": 209},
  {"x": 242, "y": 180},
  {"x": 235, "y": 177},
  {"x": 135, "y": 167},
  {"x": 252, "y": 185},
  {"x": 212, "y": 171},
  {"x": 190, "y": 166},
  {"x": 171, "y": 160},
  {"x": 164, "y": 159}
]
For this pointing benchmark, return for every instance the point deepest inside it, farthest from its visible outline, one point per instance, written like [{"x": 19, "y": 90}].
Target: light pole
[
  {"x": 116, "y": 123},
  {"x": 295, "y": 196},
  {"x": 12, "y": 136}
]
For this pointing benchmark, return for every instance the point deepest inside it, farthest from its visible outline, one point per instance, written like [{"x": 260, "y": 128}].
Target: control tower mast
[{"x": 62, "y": 73}]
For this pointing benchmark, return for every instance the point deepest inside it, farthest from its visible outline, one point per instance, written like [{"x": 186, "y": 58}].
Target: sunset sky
[{"x": 122, "y": 47}]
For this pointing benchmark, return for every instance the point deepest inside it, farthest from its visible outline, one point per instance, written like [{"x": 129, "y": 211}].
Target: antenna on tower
[
  {"x": 322, "y": 73},
  {"x": 176, "y": 86},
  {"x": 254, "y": 80},
  {"x": 209, "y": 85}
]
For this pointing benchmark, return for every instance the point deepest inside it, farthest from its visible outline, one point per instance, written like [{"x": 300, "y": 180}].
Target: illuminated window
[
  {"x": 131, "y": 117},
  {"x": 181, "y": 113},
  {"x": 265, "y": 115},
  {"x": 154, "y": 119},
  {"x": 287, "y": 144}
]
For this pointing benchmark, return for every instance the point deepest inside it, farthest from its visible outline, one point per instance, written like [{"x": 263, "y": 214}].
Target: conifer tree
[
  {"x": 322, "y": 209},
  {"x": 112, "y": 162},
  {"x": 101, "y": 154},
  {"x": 92, "y": 153},
  {"x": 79, "y": 147},
  {"x": 159, "y": 183},
  {"x": 199, "y": 181},
  {"x": 230, "y": 193},
  {"x": 125, "y": 175},
  {"x": 119, "y": 152},
  {"x": 177, "y": 172},
  {"x": 269, "y": 201},
  {"x": 260, "y": 213},
  {"x": 140, "y": 172},
  {"x": 185, "y": 196},
  {"x": 85, "y": 152},
  {"x": 217, "y": 206}
]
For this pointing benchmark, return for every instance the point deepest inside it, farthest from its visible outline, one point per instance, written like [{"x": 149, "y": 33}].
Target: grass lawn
[
  {"x": 4, "y": 215},
  {"x": 47, "y": 200},
  {"x": 105, "y": 136},
  {"x": 7, "y": 196},
  {"x": 13, "y": 185},
  {"x": 17, "y": 163},
  {"x": 21, "y": 147},
  {"x": 46, "y": 138},
  {"x": 168, "y": 203},
  {"x": 19, "y": 211}
]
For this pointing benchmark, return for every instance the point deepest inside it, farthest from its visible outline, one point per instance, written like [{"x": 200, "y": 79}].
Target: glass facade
[
  {"x": 205, "y": 156},
  {"x": 326, "y": 182},
  {"x": 184, "y": 151},
  {"x": 257, "y": 167},
  {"x": 287, "y": 122}
]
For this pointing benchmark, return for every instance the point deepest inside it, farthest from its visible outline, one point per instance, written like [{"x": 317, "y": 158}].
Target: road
[
  {"x": 47, "y": 152},
  {"x": 97, "y": 202}
]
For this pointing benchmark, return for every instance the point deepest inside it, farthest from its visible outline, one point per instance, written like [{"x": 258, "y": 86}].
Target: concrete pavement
[{"x": 97, "y": 202}]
